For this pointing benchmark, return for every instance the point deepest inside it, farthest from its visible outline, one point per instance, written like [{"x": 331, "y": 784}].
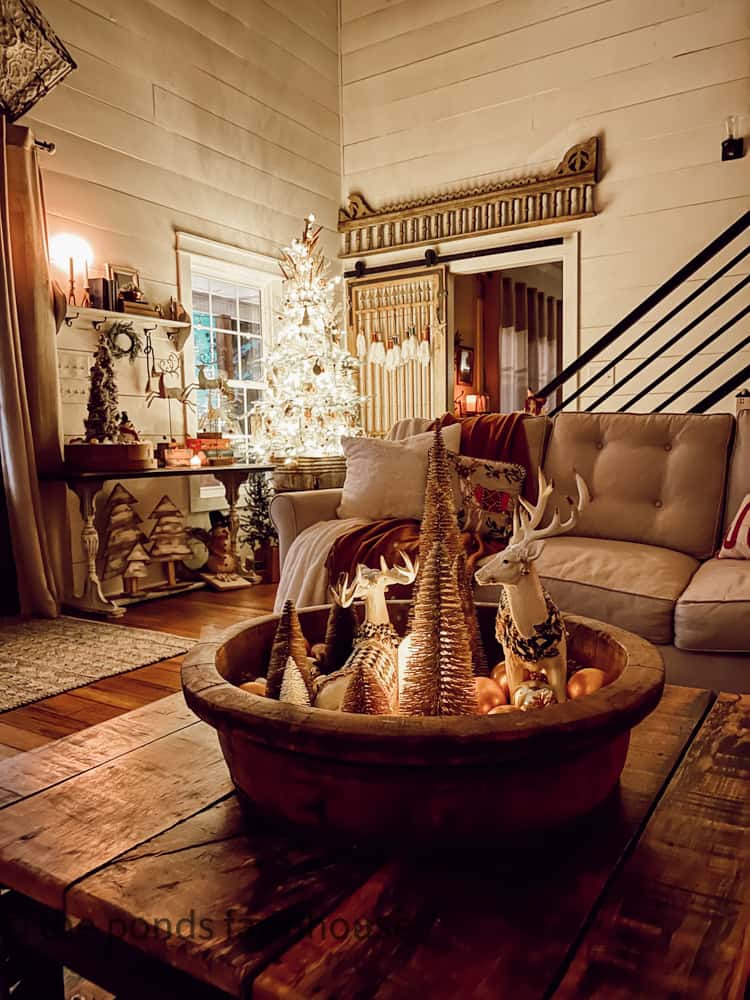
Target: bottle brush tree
[
  {"x": 102, "y": 419},
  {"x": 288, "y": 641},
  {"x": 438, "y": 679}
]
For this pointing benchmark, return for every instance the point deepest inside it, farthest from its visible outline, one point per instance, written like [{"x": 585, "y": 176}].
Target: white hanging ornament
[
  {"x": 409, "y": 348},
  {"x": 392, "y": 356},
  {"x": 376, "y": 354},
  {"x": 425, "y": 355},
  {"x": 361, "y": 346}
]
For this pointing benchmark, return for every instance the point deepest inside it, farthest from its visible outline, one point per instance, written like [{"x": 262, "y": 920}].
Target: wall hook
[
  {"x": 70, "y": 320},
  {"x": 99, "y": 323},
  {"x": 150, "y": 329}
]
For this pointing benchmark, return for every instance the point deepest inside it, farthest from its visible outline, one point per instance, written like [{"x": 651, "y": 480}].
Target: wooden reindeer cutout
[
  {"x": 376, "y": 639},
  {"x": 163, "y": 391},
  {"x": 528, "y": 625}
]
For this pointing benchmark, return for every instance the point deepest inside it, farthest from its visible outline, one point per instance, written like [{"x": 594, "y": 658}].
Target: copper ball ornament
[
  {"x": 489, "y": 694},
  {"x": 255, "y": 687},
  {"x": 586, "y": 681}
]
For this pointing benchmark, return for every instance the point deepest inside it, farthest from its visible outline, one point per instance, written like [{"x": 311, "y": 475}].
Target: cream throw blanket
[{"x": 304, "y": 578}]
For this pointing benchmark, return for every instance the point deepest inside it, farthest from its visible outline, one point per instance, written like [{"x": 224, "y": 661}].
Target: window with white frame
[
  {"x": 228, "y": 356},
  {"x": 233, "y": 296}
]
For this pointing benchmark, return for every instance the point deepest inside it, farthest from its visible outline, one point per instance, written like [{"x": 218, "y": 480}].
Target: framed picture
[
  {"x": 465, "y": 366},
  {"x": 121, "y": 275}
]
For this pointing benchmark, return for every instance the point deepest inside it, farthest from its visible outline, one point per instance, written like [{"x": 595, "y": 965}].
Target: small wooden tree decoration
[
  {"x": 438, "y": 678},
  {"x": 293, "y": 686},
  {"x": 339, "y": 638},
  {"x": 122, "y": 531},
  {"x": 168, "y": 540},
  {"x": 288, "y": 642},
  {"x": 137, "y": 560},
  {"x": 440, "y": 524},
  {"x": 102, "y": 420},
  {"x": 365, "y": 694}
]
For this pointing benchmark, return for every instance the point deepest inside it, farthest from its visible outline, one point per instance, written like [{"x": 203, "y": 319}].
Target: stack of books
[
  {"x": 218, "y": 450},
  {"x": 141, "y": 308}
]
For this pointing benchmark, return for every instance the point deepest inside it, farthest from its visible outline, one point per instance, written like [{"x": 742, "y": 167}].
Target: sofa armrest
[{"x": 293, "y": 512}]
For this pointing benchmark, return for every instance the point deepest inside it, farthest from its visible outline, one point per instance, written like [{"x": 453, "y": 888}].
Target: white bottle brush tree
[{"x": 310, "y": 397}]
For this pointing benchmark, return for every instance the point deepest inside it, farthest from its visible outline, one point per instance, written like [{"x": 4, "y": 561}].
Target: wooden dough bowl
[{"x": 436, "y": 781}]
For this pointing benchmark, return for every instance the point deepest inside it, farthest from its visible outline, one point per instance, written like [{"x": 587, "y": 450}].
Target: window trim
[{"x": 227, "y": 263}]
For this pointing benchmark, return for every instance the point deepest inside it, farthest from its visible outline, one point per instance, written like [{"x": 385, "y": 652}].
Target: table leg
[
  {"x": 232, "y": 480},
  {"x": 91, "y": 599}
]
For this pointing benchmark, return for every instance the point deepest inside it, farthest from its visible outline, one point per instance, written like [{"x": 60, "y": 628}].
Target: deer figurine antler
[{"x": 528, "y": 624}]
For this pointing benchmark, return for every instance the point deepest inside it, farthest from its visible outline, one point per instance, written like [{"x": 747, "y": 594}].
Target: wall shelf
[{"x": 98, "y": 319}]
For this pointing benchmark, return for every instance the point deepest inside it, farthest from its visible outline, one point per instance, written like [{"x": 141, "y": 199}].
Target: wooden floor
[{"x": 188, "y": 615}]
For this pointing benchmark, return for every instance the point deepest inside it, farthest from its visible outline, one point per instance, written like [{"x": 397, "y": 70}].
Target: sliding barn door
[{"x": 397, "y": 329}]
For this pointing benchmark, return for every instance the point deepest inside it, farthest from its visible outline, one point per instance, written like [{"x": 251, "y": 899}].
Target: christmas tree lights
[{"x": 311, "y": 397}]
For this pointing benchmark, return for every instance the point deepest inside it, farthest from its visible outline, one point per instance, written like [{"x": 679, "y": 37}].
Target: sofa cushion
[
  {"x": 387, "y": 478},
  {"x": 655, "y": 478},
  {"x": 624, "y": 583},
  {"x": 713, "y": 615},
  {"x": 738, "y": 481}
]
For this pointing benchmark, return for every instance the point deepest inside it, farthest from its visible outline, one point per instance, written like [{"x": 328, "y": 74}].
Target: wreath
[{"x": 132, "y": 345}]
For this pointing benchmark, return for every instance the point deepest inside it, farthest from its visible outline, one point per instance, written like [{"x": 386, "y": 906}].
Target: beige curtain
[{"x": 30, "y": 425}]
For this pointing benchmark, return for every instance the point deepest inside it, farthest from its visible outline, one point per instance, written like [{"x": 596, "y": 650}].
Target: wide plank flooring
[{"x": 188, "y": 615}]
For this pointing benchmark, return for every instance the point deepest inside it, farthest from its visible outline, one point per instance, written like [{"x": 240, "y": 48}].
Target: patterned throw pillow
[
  {"x": 736, "y": 544},
  {"x": 486, "y": 494}
]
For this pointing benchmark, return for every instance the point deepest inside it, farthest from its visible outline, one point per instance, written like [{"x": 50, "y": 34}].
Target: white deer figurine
[
  {"x": 528, "y": 625},
  {"x": 376, "y": 639}
]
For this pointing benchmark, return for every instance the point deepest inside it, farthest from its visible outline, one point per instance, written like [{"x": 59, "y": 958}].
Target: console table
[
  {"x": 128, "y": 858},
  {"x": 86, "y": 486}
]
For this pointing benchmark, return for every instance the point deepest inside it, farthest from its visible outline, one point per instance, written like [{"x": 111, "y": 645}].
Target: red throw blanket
[{"x": 497, "y": 437}]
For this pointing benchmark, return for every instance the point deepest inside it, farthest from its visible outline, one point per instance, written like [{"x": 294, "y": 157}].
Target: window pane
[
  {"x": 203, "y": 346},
  {"x": 227, "y": 354},
  {"x": 251, "y": 351}
]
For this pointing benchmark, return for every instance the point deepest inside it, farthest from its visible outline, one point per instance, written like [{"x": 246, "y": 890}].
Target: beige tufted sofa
[{"x": 642, "y": 555}]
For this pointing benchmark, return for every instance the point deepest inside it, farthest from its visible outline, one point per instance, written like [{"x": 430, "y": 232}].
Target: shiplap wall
[
  {"x": 440, "y": 93},
  {"x": 217, "y": 118}
]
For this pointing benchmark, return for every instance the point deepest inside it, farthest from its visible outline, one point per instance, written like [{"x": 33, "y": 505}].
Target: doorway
[{"x": 514, "y": 325}]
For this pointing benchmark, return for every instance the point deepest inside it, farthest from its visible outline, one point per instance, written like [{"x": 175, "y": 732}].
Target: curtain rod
[{"x": 48, "y": 147}]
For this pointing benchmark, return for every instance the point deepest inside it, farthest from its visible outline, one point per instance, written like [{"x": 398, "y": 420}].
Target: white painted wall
[
  {"x": 216, "y": 118},
  {"x": 443, "y": 93}
]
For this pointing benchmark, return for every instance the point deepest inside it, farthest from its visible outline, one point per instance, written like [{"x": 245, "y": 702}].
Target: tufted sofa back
[
  {"x": 738, "y": 484},
  {"x": 655, "y": 478}
]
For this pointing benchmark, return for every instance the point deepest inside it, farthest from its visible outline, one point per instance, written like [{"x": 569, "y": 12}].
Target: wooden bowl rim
[{"x": 404, "y": 740}]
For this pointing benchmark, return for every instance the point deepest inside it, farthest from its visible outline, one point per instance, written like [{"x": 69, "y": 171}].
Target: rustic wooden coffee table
[{"x": 126, "y": 857}]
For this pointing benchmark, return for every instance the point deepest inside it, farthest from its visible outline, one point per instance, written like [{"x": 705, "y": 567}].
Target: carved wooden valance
[{"x": 566, "y": 193}]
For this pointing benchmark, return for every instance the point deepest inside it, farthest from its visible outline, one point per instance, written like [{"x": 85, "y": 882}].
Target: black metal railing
[{"x": 641, "y": 312}]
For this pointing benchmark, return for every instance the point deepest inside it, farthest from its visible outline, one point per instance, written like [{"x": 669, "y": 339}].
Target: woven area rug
[{"x": 41, "y": 657}]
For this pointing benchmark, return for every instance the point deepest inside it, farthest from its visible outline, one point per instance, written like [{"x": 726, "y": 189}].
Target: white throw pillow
[
  {"x": 736, "y": 543},
  {"x": 387, "y": 478}
]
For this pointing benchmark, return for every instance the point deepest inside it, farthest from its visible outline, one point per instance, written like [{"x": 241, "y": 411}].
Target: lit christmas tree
[{"x": 310, "y": 397}]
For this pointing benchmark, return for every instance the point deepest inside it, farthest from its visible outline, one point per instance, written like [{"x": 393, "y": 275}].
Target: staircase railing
[{"x": 641, "y": 311}]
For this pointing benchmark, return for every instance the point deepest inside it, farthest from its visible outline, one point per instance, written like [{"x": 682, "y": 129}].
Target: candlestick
[{"x": 72, "y": 289}]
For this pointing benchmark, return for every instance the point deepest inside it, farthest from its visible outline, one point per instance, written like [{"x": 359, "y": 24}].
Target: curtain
[
  {"x": 529, "y": 327},
  {"x": 30, "y": 425},
  {"x": 514, "y": 346}
]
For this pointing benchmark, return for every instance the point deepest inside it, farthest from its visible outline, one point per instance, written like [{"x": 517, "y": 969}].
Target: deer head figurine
[
  {"x": 371, "y": 584},
  {"x": 528, "y": 624}
]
